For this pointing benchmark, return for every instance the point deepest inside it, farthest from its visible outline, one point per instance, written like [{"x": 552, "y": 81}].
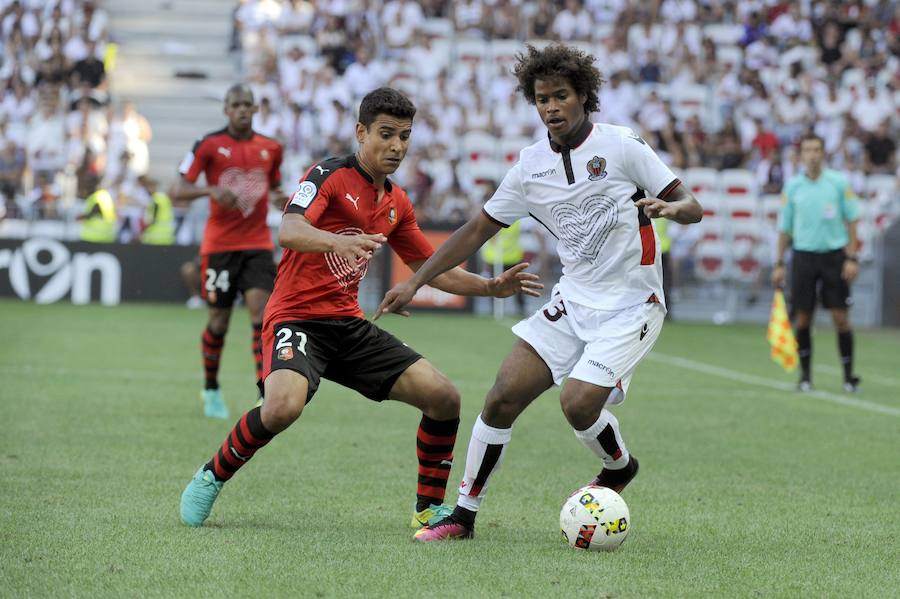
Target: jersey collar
[
  {"x": 351, "y": 159},
  {"x": 582, "y": 134}
]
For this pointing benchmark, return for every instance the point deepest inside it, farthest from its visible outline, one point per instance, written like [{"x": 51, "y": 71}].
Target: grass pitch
[{"x": 746, "y": 488}]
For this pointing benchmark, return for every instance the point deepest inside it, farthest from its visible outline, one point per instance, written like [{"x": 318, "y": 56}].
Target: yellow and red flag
[{"x": 781, "y": 336}]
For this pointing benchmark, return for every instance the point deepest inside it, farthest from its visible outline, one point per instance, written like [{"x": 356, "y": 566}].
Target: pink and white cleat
[{"x": 448, "y": 528}]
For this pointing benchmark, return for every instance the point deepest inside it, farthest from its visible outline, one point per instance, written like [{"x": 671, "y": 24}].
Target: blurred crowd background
[{"x": 721, "y": 89}]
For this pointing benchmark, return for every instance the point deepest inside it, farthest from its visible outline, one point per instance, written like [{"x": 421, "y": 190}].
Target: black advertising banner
[{"x": 47, "y": 270}]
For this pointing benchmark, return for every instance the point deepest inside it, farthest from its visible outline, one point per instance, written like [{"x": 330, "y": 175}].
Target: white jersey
[{"x": 585, "y": 196}]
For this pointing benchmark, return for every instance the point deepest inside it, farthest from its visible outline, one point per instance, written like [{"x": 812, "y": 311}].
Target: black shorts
[
  {"x": 817, "y": 275},
  {"x": 352, "y": 352},
  {"x": 226, "y": 273}
]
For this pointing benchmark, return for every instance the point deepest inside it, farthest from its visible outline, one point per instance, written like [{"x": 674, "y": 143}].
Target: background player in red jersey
[
  {"x": 344, "y": 209},
  {"x": 242, "y": 170}
]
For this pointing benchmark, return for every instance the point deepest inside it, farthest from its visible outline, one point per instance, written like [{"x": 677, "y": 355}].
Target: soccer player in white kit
[{"x": 595, "y": 187}]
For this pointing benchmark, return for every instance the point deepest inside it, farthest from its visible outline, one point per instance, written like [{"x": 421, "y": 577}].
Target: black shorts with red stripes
[
  {"x": 352, "y": 352},
  {"x": 225, "y": 273}
]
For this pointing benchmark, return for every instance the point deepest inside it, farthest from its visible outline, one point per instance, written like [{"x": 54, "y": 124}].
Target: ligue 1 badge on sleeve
[
  {"x": 596, "y": 168},
  {"x": 264, "y": 154},
  {"x": 392, "y": 215}
]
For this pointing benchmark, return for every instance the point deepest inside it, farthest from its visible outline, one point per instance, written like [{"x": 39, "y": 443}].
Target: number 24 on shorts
[{"x": 285, "y": 348}]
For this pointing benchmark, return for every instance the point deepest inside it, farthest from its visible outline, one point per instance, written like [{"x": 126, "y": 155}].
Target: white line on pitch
[{"x": 734, "y": 375}]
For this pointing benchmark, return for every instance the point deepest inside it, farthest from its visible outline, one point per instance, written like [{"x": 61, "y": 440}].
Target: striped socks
[
  {"x": 434, "y": 448},
  {"x": 247, "y": 436}
]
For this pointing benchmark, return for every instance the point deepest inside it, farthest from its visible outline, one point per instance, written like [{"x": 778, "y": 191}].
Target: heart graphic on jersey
[
  {"x": 585, "y": 227},
  {"x": 248, "y": 186},
  {"x": 342, "y": 269}
]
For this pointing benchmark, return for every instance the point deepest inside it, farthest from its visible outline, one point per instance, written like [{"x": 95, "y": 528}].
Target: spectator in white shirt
[
  {"x": 872, "y": 108},
  {"x": 46, "y": 137},
  {"x": 296, "y": 18},
  {"x": 365, "y": 74},
  {"x": 265, "y": 121},
  {"x": 573, "y": 23}
]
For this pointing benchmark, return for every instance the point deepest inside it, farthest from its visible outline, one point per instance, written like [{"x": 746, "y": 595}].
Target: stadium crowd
[
  {"x": 711, "y": 84},
  {"x": 60, "y": 135}
]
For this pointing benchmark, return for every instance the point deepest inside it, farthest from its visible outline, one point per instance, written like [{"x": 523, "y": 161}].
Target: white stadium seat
[{"x": 701, "y": 180}]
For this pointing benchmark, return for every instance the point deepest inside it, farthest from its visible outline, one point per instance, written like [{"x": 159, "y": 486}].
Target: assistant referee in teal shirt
[{"x": 818, "y": 219}]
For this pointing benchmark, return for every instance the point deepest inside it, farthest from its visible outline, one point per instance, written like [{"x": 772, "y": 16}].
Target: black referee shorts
[
  {"x": 352, "y": 352},
  {"x": 817, "y": 276}
]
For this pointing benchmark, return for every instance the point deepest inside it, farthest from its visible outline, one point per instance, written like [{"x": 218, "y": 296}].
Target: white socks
[
  {"x": 604, "y": 439},
  {"x": 486, "y": 449}
]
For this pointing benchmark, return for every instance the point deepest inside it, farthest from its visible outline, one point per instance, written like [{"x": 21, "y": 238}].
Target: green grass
[{"x": 745, "y": 490}]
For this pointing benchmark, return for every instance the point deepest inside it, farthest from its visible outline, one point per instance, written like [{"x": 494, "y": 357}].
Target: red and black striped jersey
[
  {"x": 338, "y": 196},
  {"x": 249, "y": 168}
]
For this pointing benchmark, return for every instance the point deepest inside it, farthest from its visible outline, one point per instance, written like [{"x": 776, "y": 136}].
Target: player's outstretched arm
[
  {"x": 298, "y": 234},
  {"x": 458, "y": 248},
  {"x": 680, "y": 206},
  {"x": 183, "y": 190},
  {"x": 459, "y": 281}
]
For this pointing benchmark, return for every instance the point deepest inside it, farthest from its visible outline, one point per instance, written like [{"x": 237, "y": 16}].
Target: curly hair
[
  {"x": 557, "y": 61},
  {"x": 385, "y": 100}
]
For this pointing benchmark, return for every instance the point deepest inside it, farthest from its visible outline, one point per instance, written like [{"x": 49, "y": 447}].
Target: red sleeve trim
[{"x": 493, "y": 220}]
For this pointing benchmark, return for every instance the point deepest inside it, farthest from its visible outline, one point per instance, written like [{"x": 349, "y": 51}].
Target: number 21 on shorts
[{"x": 284, "y": 349}]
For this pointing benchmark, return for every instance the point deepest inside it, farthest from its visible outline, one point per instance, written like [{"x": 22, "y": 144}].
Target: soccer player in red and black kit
[
  {"x": 344, "y": 209},
  {"x": 242, "y": 170}
]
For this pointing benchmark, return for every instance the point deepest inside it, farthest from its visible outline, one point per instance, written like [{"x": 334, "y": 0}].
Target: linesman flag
[{"x": 781, "y": 336}]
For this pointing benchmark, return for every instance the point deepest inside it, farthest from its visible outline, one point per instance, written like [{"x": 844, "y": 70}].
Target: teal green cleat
[
  {"x": 214, "y": 404},
  {"x": 430, "y": 515},
  {"x": 198, "y": 497}
]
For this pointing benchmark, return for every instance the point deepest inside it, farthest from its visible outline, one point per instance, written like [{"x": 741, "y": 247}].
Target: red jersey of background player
[
  {"x": 338, "y": 196},
  {"x": 247, "y": 167}
]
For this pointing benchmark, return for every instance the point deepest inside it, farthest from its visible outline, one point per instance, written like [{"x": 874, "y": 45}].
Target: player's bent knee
[
  {"x": 582, "y": 409},
  {"x": 285, "y": 393},
  {"x": 444, "y": 399},
  {"x": 502, "y": 405}
]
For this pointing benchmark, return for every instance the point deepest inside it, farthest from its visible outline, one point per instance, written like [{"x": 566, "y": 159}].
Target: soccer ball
[{"x": 594, "y": 518}]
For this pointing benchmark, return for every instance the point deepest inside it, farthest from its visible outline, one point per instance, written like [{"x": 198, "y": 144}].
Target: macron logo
[
  {"x": 354, "y": 200},
  {"x": 226, "y": 152},
  {"x": 321, "y": 170}
]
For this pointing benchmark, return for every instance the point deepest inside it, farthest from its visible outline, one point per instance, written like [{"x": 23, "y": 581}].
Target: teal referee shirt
[{"x": 815, "y": 212}]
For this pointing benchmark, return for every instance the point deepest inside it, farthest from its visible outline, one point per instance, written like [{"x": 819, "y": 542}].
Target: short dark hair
[
  {"x": 811, "y": 137},
  {"x": 557, "y": 61},
  {"x": 385, "y": 100},
  {"x": 238, "y": 88}
]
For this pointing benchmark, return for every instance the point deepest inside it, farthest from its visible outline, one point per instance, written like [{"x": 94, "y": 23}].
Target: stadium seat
[
  {"x": 437, "y": 28},
  {"x": 510, "y": 147},
  {"x": 483, "y": 172},
  {"x": 688, "y": 101},
  {"x": 504, "y": 52},
  {"x": 742, "y": 207},
  {"x": 478, "y": 145},
  {"x": 737, "y": 181},
  {"x": 407, "y": 82},
  {"x": 471, "y": 50},
  {"x": 711, "y": 258},
  {"x": 746, "y": 230},
  {"x": 881, "y": 186},
  {"x": 702, "y": 180}
]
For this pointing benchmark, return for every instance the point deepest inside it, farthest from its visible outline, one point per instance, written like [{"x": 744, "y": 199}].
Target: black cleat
[
  {"x": 617, "y": 480},
  {"x": 852, "y": 384}
]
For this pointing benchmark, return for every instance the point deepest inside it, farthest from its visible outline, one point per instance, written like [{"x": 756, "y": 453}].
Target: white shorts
[{"x": 598, "y": 347}]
